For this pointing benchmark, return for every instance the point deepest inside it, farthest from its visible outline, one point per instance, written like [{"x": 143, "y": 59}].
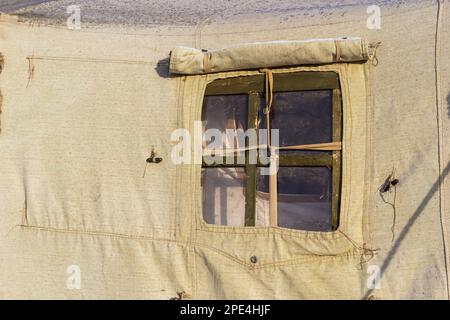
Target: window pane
[
  {"x": 224, "y": 196},
  {"x": 304, "y": 198},
  {"x": 225, "y": 112},
  {"x": 302, "y": 117}
]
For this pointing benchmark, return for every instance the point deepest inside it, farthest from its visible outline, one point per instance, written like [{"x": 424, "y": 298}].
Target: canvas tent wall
[{"x": 82, "y": 109}]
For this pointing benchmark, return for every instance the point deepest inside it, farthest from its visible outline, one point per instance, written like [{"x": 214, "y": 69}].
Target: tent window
[{"x": 306, "y": 110}]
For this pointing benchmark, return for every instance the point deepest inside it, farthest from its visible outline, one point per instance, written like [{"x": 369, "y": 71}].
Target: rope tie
[
  {"x": 327, "y": 146},
  {"x": 373, "y": 52},
  {"x": 273, "y": 212},
  {"x": 338, "y": 50},
  {"x": 207, "y": 65},
  {"x": 269, "y": 90},
  {"x": 182, "y": 295}
]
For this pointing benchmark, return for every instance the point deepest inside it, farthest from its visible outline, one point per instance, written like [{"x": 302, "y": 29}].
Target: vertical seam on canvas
[
  {"x": 179, "y": 105},
  {"x": 195, "y": 194},
  {"x": 347, "y": 125},
  {"x": 439, "y": 138},
  {"x": 184, "y": 221},
  {"x": 193, "y": 166},
  {"x": 193, "y": 170},
  {"x": 368, "y": 171},
  {"x": 192, "y": 218},
  {"x": 369, "y": 159}
]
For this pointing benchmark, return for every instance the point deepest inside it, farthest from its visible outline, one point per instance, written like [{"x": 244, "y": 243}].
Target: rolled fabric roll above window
[{"x": 184, "y": 60}]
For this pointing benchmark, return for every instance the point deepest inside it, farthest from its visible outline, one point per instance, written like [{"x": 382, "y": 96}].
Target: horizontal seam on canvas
[{"x": 302, "y": 257}]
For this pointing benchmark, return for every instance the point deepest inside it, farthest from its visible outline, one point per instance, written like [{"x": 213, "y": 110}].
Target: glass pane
[
  {"x": 225, "y": 112},
  {"x": 224, "y": 196},
  {"x": 302, "y": 117},
  {"x": 304, "y": 198}
]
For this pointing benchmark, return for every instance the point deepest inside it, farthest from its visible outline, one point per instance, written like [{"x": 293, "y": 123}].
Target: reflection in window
[
  {"x": 224, "y": 196},
  {"x": 304, "y": 198},
  {"x": 225, "y": 113},
  {"x": 302, "y": 117}
]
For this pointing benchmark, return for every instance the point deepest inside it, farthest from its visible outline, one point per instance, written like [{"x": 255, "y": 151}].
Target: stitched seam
[
  {"x": 439, "y": 138},
  {"x": 330, "y": 236},
  {"x": 299, "y": 258}
]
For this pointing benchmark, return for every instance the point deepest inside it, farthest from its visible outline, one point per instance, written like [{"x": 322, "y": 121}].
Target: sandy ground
[
  {"x": 175, "y": 12},
  {"x": 13, "y": 5}
]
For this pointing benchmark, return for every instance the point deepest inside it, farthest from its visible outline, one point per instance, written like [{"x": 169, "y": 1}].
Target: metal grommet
[{"x": 253, "y": 259}]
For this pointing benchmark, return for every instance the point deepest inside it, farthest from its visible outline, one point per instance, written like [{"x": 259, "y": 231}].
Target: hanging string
[
  {"x": 327, "y": 146},
  {"x": 273, "y": 212}
]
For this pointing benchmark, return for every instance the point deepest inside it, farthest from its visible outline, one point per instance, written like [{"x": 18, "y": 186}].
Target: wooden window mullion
[
  {"x": 337, "y": 156},
  {"x": 250, "y": 169},
  {"x": 313, "y": 160}
]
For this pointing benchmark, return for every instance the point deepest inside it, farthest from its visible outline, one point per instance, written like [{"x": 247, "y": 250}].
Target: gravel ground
[
  {"x": 13, "y": 5},
  {"x": 174, "y": 12}
]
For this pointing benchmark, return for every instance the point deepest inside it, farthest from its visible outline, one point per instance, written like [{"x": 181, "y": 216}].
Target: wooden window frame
[{"x": 254, "y": 86}]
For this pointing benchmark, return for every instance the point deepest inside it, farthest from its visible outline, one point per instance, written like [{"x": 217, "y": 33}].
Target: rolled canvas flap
[{"x": 257, "y": 55}]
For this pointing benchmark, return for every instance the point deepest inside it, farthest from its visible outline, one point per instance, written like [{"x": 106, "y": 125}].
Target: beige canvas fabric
[
  {"x": 78, "y": 122},
  {"x": 267, "y": 55}
]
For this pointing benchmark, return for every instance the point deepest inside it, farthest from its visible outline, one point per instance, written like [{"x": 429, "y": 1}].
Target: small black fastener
[
  {"x": 388, "y": 183},
  {"x": 153, "y": 158}
]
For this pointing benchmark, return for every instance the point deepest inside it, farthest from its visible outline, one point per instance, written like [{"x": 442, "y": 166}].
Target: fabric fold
[{"x": 184, "y": 60}]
